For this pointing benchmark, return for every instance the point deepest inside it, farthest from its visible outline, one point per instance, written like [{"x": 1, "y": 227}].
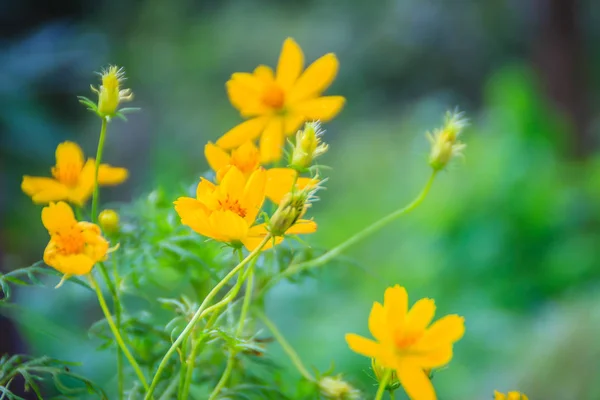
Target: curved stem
[
  {"x": 366, "y": 232},
  {"x": 286, "y": 346},
  {"x": 191, "y": 364},
  {"x": 383, "y": 384},
  {"x": 115, "y": 331},
  {"x": 199, "y": 313},
  {"x": 99, "y": 152}
]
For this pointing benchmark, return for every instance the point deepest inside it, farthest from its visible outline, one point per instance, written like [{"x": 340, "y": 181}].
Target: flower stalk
[{"x": 383, "y": 384}]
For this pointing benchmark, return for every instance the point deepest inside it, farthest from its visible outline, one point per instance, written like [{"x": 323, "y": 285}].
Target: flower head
[
  {"x": 110, "y": 94},
  {"x": 225, "y": 212},
  {"x": 308, "y": 146},
  {"x": 277, "y": 103},
  {"x": 444, "y": 141},
  {"x": 336, "y": 388},
  {"x": 509, "y": 396},
  {"x": 405, "y": 341},
  {"x": 74, "y": 246},
  {"x": 72, "y": 177}
]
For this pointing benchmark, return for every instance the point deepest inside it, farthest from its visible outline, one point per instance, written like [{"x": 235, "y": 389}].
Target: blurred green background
[{"x": 509, "y": 238}]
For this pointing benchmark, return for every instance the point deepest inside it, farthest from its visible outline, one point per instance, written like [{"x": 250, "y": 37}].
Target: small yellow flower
[
  {"x": 109, "y": 221},
  {"x": 73, "y": 179},
  {"x": 276, "y": 104},
  {"x": 444, "y": 142},
  {"x": 110, "y": 94},
  {"x": 336, "y": 388},
  {"x": 308, "y": 146},
  {"x": 246, "y": 159},
  {"x": 405, "y": 342},
  {"x": 225, "y": 212},
  {"x": 74, "y": 246},
  {"x": 509, "y": 396}
]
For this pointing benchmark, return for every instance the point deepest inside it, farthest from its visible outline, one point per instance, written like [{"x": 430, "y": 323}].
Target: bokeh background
[{"x": 509, "y": 238}]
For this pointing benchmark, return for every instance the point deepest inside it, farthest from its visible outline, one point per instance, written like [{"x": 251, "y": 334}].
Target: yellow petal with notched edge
[
  {"x": 271, "y": 141},
  {"x": 44, "y": 190},
  {"x": 395, "y": 303},
  {"x": 254, "y": 195},
  {"x": 446, "y": 330},
  {"x": 264, "y": 74},
  {"x": 321, "y": 108},
  {"x": 302, "y": 226},
  {"x": 233, "y": 184},
  {"x": 73, "y": 264},
  {"x": 193, "y": 214},
  {"x": 420, "y": 315},
  {"x": 228, "y": 226},
  {"x": 290, "y": 64},
  {"x": 69, "y": 156},
  {"x": 216, "y": 157},
  {"x": 377, "y": 322},
  {"x": 244, "y": 132},
  {"x": 317, "y": 77},
  {"x": 415, "y": 382},
  {"x": 58, "y": 216},
  {"x": 245, "y": 98},
  {"x": 362, "y": 345},
  {"x": 109, "y": 175},
  {"x": 431, "y": 359},
  {"x": 292, "y": 122},
  {"x": 279, "y": 183}
]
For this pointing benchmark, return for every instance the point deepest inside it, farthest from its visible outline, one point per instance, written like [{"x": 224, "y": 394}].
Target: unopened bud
[
  {"x": 110, "y": 94},
  {"x": 393, "y": 383},
  {"x": 109, "y": 221},
  {"x": 308, "y": 146},
  {"x": 291, "y": 208},
  {"x": 444, "y": 141},
  {"x": 335, "y": 388}
]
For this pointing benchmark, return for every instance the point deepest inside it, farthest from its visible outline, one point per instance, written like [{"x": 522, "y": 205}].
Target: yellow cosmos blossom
[
  {"x": 246, "y": 159},
  {"x": 110, "y": 94},
  {"x": 406, "y": 343},
  {"x": 509, "y": 396},
  {"x": 73, "y": 177},
  {"x": 277, "y": 103},
  {"x": 225, "y": 212},
  {"x": 74, "y": 246}
]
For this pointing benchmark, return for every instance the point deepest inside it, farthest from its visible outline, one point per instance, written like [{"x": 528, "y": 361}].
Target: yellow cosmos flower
[
  {"x": 406, "y": 343},
  {"x": 110, "y": 94},
  {"x": 225, "y": 212},
  {"x": 246, "y": 159},
  {"x": 509, "y": 396},
  {"x": 276, "y": 104},
  {"x": 74, "y": 246},
  {"x": 73, "y": 178}
]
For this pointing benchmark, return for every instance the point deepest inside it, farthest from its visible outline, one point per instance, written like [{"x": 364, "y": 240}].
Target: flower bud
[
  {"x": 110, "y": 94},
  {"x": 444, "y": 141},
  {"x": 109, "y": 221},
  {"x": 308, "y": 146},
  {"x": 335, "y": 388},
  {"x": 393, "y": 383},
  {"x": 292, "y": 207}
]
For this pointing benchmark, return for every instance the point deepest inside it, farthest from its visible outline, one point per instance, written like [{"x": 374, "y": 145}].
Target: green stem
[
  {"x": 191, "y": 364},
  {"x": 183, "y": 369},
  {"x": 366, "y": 232},
  {"x": 199, "y": 313},
  {"x": 383, "y": 384},
  {"x": 286, "y": 346},
  {"x": 118, "y": 313},
  {"x": 115, "y": 331},
  {"x": 99, "y": 152},
  {"x": 392, "y": 396}
]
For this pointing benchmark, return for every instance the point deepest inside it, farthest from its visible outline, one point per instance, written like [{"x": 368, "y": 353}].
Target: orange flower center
[
  {"x": 405, "y": 340},
  {"x": 231, "y": 205},
  {"x": 246, "y": 163},
  {"x": 273, "y": 96},
  {"x": 67, "y": 174},
  {"x": 70, "y": 241}
]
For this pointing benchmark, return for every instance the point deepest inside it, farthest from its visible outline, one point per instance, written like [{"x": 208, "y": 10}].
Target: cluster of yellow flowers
[{"x": 249, "y": 168}]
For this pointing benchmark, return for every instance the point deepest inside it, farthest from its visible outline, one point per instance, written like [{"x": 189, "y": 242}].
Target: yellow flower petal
[
  {"x": 395, "y": 302},
  {"x": 362, "y": 345},
  {"x": 291, "y": 62},
  {"x": 271, "y": 141},
  {"x": 217, "y": 157},
  {"x": 194, "y": 214},
  {"x": 44, "y": 190},
  {"x": 233, "y": 184},
  {"x": 109, "y": 175},
  {"x": 514, "y": 396},
  {"x": 204, "y": 188},
  {"x": 292, "y": 122},
  {"x": 279, "y": 183},
  {"x": 432, "y": 359},
  {"x": 244, "y": 132},
  {"x": 499, "y": 396},
  {"x": 321, "y": 108},
  {"x": 302, "y": 226},
  {"x": 245, "y": 94},
  {"x": 228, "y": 226},
  {"x": 264, "y": 73},
  {"x": 73, "y": 264},
  {"x": 445, "y": 330},
  {"x": 256, "y": 234},
  {"x": 58, "y": 216},
  {"x": 69, "y": 161},
  {"x": 377, "y": 322},
  {"x": 254, "y": 195},
  {"x": 317, "y": 77},
  {"x": 415, "y": 382},
  {"x": 420, "y": 315}
]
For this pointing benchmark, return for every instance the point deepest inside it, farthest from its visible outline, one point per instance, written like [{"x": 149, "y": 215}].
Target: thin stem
[
  {"x": 200, "y": 312},
  {"x": 238, "y": 332},
  {"x": 118, "y": 313},
  {"x": 190, "y": 369},
  {"x": 383, "y": 384},
  {"x": 366, "y": 232},
  {"x": 392, "y": 396},
  {"x": 183, "y": 369},
  {"x": 286, "y": 346},
  {"x": 99, "y": 152},
  {"x": 115, "y": 331}
]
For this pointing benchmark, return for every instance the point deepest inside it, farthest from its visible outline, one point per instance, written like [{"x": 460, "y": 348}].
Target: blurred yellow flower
[
  {"x": 509, "y": 396},
  {"x": 276, "y": 104},
  {"x": 74, "y": 246},
  {"x": 406, "y": 343},
  {"x": 73, "y": 179},
  {"x": 246, "y": 159},
  {"x": 109, "y": 221},
  {"x": 225, "y": 212},
  {"x": 110, "y": 94}
]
